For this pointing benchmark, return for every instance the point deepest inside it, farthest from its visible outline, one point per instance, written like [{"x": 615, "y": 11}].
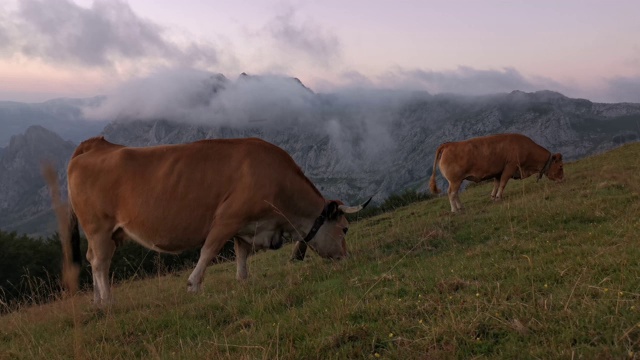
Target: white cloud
[
  {"x": 304, "y": 38},
  {"x": 623, "y": 89},
  {"x": 202, "y": 97},
  {"x": 104, "y": 35}
]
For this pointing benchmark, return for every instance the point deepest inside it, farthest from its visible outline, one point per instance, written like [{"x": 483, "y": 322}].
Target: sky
[{"x": 82, "y": 48}]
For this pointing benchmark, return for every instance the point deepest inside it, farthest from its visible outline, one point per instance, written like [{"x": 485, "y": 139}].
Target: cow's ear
[{"x": 332, "y": 210}]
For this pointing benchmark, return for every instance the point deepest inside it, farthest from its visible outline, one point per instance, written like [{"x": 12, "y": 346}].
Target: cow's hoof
[
  {"x": 103, "y": 304},
  {"x": 192, "y": 288}
]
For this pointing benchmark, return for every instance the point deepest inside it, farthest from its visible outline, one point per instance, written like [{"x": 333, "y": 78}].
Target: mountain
[
  {"x": 351, "y": 144},
  {"x": 63, "y": 116},
  {"x": 354, "y": 146},
  {"x": 24, "y": 199}
]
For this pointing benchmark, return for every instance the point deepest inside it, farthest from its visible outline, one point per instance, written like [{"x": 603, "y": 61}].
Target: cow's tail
[
  {"x": 432, "y": 182},
  {"x": 67, "y": 230}
]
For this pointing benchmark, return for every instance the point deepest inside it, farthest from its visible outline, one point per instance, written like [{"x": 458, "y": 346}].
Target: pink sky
[{"x": 582, "y": 48}]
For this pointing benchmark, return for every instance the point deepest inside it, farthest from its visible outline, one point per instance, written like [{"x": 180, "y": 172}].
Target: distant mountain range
[
  {"x": 63, "y": 116},
  {"x": 351, "y": 145}
]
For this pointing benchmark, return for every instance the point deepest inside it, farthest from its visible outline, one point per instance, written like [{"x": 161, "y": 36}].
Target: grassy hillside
[{"x": 552, "y": 271}]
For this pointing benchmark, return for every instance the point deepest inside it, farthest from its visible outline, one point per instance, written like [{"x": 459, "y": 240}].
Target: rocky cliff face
[{"x": 24, "y": 198}]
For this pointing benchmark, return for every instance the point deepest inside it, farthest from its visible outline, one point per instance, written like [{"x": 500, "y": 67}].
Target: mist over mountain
[
  {"x": 352, "y": 143},
  {"x": 362, "y": 141},
  {"x": 63, "y": 116}
]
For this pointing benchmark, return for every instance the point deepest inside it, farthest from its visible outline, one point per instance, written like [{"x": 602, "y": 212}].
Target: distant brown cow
[{"x": 498, "y": 157}]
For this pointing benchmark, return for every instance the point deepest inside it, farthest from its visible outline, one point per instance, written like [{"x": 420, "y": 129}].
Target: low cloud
[
  {"x": 182, "y": 94},
  {"x": 321, "y": 47},
  {"x": 202, "y": 97},
  {"x": 104, "y": 35},
  {"x": 623, "y": 89},
  {"x": 466, "y": 80},
  {"x": 357, "y": 122},
  {"x": 358, "y": 116}
]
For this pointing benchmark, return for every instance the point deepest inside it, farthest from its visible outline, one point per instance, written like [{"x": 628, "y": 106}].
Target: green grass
[{"x": 552, "y": 271}]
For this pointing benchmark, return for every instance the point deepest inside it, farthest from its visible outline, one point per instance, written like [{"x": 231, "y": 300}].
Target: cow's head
[
  {"x": 556, "y": 169},
  {"x": 330, "y": 230}
]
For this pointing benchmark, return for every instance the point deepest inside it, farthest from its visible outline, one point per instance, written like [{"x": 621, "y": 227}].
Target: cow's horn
[{"x": 353, "y": 209}]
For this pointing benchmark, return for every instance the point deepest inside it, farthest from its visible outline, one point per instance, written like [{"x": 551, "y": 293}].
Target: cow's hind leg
[
  {"x": 96, "y": 290},
  {"x": 494, "y": 192},
  {"x": 99, "y": 255},
  {"x": 221, "y": 231},
  {"x": 454, "y": 197}
]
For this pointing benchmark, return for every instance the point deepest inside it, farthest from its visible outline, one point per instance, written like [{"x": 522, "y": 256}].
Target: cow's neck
[
  {"x": 535, "y": 163},
  {"x": 305, "y": 207},
  {"x": 546, "y": 166}
]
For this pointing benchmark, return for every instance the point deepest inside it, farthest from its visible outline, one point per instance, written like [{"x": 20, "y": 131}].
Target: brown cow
[
  {"x": 499, "y": 157},
  {"x": 175, "y": 197}
]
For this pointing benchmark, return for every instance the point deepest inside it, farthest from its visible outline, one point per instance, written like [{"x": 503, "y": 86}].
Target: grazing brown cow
[
  {"x": 175, "y": 197},
  {"x": 499, "y": 157}
]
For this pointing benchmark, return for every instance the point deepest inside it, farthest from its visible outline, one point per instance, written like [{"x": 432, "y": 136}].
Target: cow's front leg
[
  {"x": 221, "y": 232},
  {"x": 242, "y": 249},
  {"x": 504, "y": 178},
  {"x": 299, "y": 251}
]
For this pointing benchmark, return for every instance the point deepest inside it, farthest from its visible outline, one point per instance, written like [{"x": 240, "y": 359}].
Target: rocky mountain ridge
[
  {"x": 25, "y": 204},
  {"x": 350, "y": 145},
  {"x": 366, "y": 157}
]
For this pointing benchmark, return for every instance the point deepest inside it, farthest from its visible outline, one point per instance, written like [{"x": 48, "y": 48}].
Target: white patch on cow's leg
[
  {"x": 507, "y": 173},
  {"x": 494, "y": 192},
  {"x": 96, "y": 289},
  {"x": 101, "y": 251},
  {"x": 458, "y": 202},
  {"x": 216, "y": 239},
  {"x": 242, "y": 250},
  {"x": 454, "y": 201}
]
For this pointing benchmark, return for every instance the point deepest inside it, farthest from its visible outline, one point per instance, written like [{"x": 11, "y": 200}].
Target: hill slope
[{"x": 550, "y": 272}]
